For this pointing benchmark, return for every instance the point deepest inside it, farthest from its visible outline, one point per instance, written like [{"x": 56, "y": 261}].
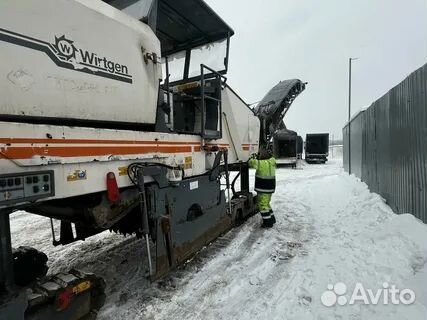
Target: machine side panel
[
  {"x": 240, "y": 127},
  {"x": 80, "y": 158},
  {"x": 80, "y": 63}
]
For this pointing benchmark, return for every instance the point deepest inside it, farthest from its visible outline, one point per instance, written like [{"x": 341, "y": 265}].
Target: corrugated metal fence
[{"x": 389, "y": 145}]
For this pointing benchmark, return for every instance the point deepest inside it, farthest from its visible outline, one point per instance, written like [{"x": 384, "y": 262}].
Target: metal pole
[
  {"x": 144, "y": 210},
  {"x": 167, "y": 83},
  {"x": 349, "y": 114},
  {"x": 6, "y": 257},
  {"x": 227, "y": 179}
]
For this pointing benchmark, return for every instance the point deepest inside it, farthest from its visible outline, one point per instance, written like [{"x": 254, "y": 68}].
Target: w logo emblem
[{"x": 65, "y": 48}]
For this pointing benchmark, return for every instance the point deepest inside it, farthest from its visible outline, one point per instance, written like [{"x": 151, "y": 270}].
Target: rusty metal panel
[{"x": 394, "y": 145}]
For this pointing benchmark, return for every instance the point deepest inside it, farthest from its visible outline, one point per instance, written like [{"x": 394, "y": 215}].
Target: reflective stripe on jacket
[{"x": 265, "y": 176}]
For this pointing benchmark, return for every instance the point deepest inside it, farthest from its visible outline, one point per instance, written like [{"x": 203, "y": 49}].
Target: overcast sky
[{"x": 312, "y": 40}]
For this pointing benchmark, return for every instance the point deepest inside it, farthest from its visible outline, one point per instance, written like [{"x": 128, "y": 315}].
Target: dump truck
[
  {"x": 316, "y": 147},
  {"x": 117, "y": 115}
]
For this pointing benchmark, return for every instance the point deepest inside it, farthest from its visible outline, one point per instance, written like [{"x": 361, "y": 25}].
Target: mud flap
[{"x": 191, "y": 215}]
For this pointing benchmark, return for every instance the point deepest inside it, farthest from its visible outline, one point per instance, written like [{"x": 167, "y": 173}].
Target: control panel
[{"x": 28, "y": 186}]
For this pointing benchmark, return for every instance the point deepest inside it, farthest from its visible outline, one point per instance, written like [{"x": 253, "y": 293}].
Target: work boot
[
  {"x": 272, "y": 216},
  {"x": 267, "y": 223}
]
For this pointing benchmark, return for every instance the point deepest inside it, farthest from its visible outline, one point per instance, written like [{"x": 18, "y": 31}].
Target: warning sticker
[
  {"x": 194, "y": 185},
  {"x": 188, "y": 162},
  {"x": 77, "y": 175},
  {"x": 123, "y": 171}
]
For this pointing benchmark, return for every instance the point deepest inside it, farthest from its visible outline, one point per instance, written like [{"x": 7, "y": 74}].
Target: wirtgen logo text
[
  {"x": 68, "y": 51},
  {"x": 65, "y": 53}
]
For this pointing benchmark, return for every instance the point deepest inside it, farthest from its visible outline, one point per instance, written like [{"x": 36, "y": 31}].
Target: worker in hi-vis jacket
[{"x": 265, "y": 184}]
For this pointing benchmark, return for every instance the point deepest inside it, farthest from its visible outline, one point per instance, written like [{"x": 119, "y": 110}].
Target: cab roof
[{"x": 179, "y": 24}]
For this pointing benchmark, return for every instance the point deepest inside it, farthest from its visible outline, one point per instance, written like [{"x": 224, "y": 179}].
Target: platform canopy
[{"x": 179, "y": 24}]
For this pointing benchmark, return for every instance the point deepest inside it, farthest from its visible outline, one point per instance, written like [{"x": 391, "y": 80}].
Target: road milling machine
[{"x": 116, "y": 115}]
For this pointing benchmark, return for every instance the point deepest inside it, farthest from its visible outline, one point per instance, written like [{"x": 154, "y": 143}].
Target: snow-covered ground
[{"x": 329, "y": 229}]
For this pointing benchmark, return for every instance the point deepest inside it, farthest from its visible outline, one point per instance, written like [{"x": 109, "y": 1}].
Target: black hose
[
  {"x": 133, "y": 167},
  {"x": 234, "y": 182}
]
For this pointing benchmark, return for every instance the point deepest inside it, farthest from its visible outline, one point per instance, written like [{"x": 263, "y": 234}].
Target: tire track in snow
[{"x": 251, "y": 266}]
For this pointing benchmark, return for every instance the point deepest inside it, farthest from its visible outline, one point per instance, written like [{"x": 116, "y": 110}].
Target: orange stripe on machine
[
  {"x": 29, "y": 152},
  {"x": 26, "y": 148},
  {"x": 88, "y": 141}
]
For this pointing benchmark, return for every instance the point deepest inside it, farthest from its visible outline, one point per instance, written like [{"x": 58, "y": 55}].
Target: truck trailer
[
  {"x": 117, "y": 115},
  {"x": 285, "y": 147},
  {"x": 317, "y": 147}
]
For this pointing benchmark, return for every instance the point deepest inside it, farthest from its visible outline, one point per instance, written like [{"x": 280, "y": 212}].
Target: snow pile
[{"x": 330, "y": 229}]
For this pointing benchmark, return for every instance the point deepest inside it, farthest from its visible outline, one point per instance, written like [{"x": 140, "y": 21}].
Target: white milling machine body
[{"x": 96, "y": 133}]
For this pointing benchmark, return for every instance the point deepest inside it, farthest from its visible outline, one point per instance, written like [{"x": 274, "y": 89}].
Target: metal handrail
[{"x": 218, "y": 75}]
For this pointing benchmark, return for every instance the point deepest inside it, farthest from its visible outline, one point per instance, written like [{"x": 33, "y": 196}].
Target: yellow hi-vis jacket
[{"x": 265, "y": 176}]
